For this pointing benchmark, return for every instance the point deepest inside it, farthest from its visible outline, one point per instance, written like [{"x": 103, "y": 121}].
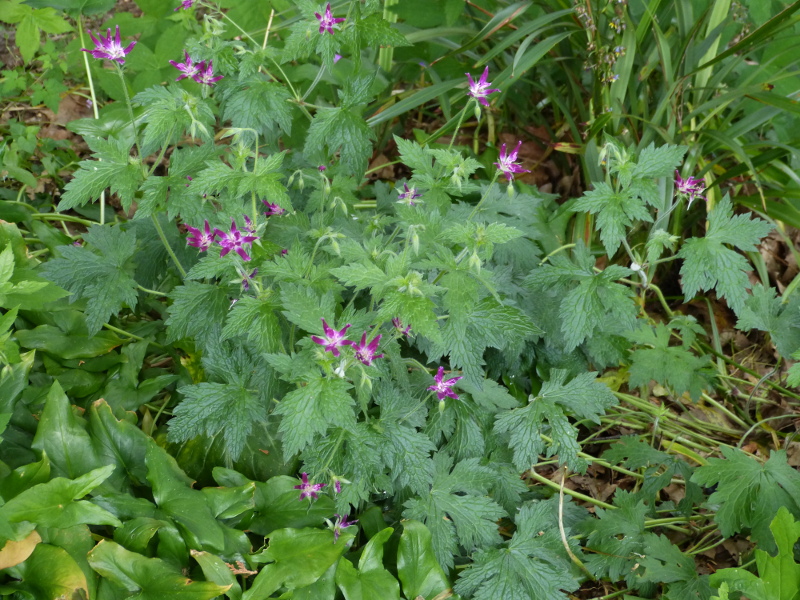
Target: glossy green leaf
[
  {"x": 371, "y": 579},
  {"x": 217, "y": 571},
  {"x": 24, "y": 477},
  {"x": 417, "y": 567},
  {"x": 49, "y": 574},
  {"x": 67, "y": 345},
  {"x": 151, "y": 578},
  {"x": 56, "y": 503},
  {"x": 62, "y": 436},
  {"x": 297, "y": 557},
  {"x": 278, "y": 506}
]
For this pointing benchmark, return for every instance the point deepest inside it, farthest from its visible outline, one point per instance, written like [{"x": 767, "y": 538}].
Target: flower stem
[
  {"x": 485, "y": 195},
  {"x": 130, "y": 114},
  {"x": 458, "y": 125},
  {"x": 167, "y": 247},
  {"x": 90, "y": 79}
]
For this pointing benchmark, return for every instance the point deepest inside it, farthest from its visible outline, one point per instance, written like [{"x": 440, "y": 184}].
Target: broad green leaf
[
  {"x": 710, "y": 264},
  {"x": 24, "y": 477},
  {"x": 217, "y": 571},
  {"x": 56, "y": 503},
  {"x": 297, "y": 558},
  {"x": 764, "y": 311},
  {"x": 417, "y": 567},
  {"x": 118, "y": 442},
  {"x": 15, "y": 552},
  {"x": 149, "y": 578},
  {"x": 278, "y": 506},
  {"x": 62, "y": 436},
  {"x": 371, "y": 579},
  {"x": 69, "y": 344},
  {"x": 748, "y": 493},
  {"x": 51, "y": 573}
]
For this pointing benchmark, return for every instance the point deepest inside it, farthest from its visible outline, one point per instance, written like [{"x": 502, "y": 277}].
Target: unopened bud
[
  {"x": 475, "y": 262},
  {"x": 415, "y": 243},
  {"x": 510, "y": 189},
  {"x": 335, "y": 246},
  {"x": 301, "y": 183},
  {"x": 478, "y": 111}
]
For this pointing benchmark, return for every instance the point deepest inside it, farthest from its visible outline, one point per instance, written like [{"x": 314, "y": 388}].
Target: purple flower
[
  {"x": 337, "y": 485},
  {"x": 322, "y": 168},
  {"x": 205, "y": 73},
  {"x": 308, "y": 490},
  {"x": 337, "y": 58},
  {"x": 366, "y": 352},
  {"x": 187, "y": 69},
  {"x": 508, "y": 164},
  {"x": 248, "y": 225},
  {"x": 408, "y": 195},
  {"x": 201, "y": 239},
  {"x": 479, "y": 89},
  {"x": 246, "y": 280},
  {"x": 234, "y": 241},
  {"x": 109, "y": 48},
  {"x": 398, "y": 324},
  {"x": 689, "y": 188},
  {"x": 284, "y": 252},
  {"x": 341, "y": 523},
  {"x": 326, "y": 21},
  {"x": 185, "y": 5},
  {"x": 442, "y": 388},
  {"x": 333, "y": 339},
  {"x": 273, "y": 209}
]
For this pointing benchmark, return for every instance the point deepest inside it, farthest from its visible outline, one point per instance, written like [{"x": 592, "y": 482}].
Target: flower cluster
[
  {"x": 326, "y": 21},
  {"x": 480, "y": 89},
  {"x": 109, "y": 47},
  {"x": 689, "y": 188},
  {"x": 507, "y": 162},
  {"x": 232, "y": 240},
  {"x": 365, "y": 352},
  {"x": 201, "y": 72}
]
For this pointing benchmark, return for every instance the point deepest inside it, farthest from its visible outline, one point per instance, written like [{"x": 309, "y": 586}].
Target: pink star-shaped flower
[
  {"x": 109, "y": 47},
  {"x": 333, "y": 339},
  {"x": 308, "y": 490},
  {"x": 187, "y": 69},
  {"x": 205, "y": 73},
  {"x": 442, "y": 387},
  {"x": 201, "y": 239},
  {"x": 326, "y": 21},
  {"x": 507, "y": 162},
  {"x": 480, "y": 89},
  {"x": 366, "y": 352}
]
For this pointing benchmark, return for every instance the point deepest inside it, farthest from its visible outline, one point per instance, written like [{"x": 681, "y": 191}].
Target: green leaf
[
  {"x": 278, "y": 507},
  {"x": 749, "y": 493},
  {"x": 297, "y": 558},
  {"x": 74, "y": 343},
  {"x": 616, "y": 212},
  {"x": 616, "y": 539},
  {"x": 658, "y": 162},
  {"x": 532, "y": 564},
  {"x": 457, "y": 510},
  {"x": 50, "y": 572},
  {"x": 590, "y": 300},
  {"x": 149, "y": 578},
  {"x": 169, "y": 113},
  {"x": 779, "y": 576},
  {"x": 213, "y": 408},
  {"x": 370, "y": 580},
  {"x": 101, "y": 272},
  {"x": 217, "y": 571},
  {"x": 197, "y": 311},
  {"x": 259, "y": 104},
  {"x": 56, "y": 504},
  {"x": 665, "y": 563},
  {"x": 113, "y": 167},
  {"x": 672, "y": 366},
  {"x": 311, "y": 409},
  {"x": 74, "y": 7},
  {"x": 548, "y": 413},
  {"x": 257, "y": 320},
  {"x": 189, "y": 508},
  {"x": 765, "y": 312},
  {"x": 710, "y": 264},
  {"x": 62, "y": 436},
  {"x": 417, "y": 568},
  {"x": 340, "y": 130}
]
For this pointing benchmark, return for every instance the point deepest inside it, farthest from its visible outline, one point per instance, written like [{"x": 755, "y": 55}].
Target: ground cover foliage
[{"x": 311, "y": 322}]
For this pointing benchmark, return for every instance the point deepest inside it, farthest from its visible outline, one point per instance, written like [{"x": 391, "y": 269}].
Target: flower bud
[
  {"x": 475, "y": 262},
  {"x": 510, "y": 189},
  {"x": 478, "y": 111},
  {"x": 415, "y": 243}
]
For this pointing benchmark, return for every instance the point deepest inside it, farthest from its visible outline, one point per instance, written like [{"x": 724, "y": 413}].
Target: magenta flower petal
[
  {"x": 308, "y": 490},
  {"x": 442, "y": 387},
  {"x": 327, "y": 22},
  {"x": 507, "y": 162},
  {"x": 109, "y": 47},
  {"x": 480, "y": 89},
  {"x": 333, "y": 339}
]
